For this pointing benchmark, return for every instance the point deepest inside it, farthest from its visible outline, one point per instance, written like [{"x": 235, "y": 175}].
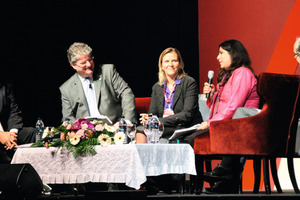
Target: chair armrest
[{"x": 247, "y": 136}]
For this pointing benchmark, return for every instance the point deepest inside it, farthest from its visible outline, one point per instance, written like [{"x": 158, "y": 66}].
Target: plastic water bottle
[
  {"x": 148, "y": 129},
  {"x": 39, "y": 129},
  {"x": 123, "y": 129},
  {"x": 155, "y": 129}
]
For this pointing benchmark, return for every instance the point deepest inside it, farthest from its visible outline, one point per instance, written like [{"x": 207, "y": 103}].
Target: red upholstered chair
[
  {"x": 142, "y": 105},
  {"x": 267, "y": 135}
]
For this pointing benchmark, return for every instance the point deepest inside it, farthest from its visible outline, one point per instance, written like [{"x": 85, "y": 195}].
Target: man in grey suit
[{"x": 95, "y": 91}]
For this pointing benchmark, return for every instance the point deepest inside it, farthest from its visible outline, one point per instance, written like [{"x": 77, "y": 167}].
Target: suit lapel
[
  {"x": 98, "y": 84},
  {"x": 162, "y": 97},
  {"x": 78, "y": 91},
  {"x": 97, "y": 75},
  {"x": 177, "y": 93}
]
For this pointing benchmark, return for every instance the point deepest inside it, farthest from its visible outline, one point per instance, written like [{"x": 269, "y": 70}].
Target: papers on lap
[
  {"x": 183, "y": 131},
  {"x": 99, "y": 118}
]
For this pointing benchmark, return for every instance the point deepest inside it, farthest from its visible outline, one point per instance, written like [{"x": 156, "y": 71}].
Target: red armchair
[
  {"x": 267, "y": 135},
  {"x": 142, "y": 105}
]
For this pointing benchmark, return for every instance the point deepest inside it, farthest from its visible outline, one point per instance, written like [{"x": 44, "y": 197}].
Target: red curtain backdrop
[{"x": 267, "y": 28}]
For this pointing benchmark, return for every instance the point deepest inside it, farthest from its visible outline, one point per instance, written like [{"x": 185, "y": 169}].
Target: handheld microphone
[{"x": 210, "y": 77}]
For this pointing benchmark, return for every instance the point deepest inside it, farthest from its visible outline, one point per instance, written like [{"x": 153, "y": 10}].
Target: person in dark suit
[
  {"x": 12, "y": 131},
  {"x": 297, "y": 57},
  {"x": 94, "y": 91},
  {"x": 174, "y": 100},
  {"x": 174, "y": 97}
]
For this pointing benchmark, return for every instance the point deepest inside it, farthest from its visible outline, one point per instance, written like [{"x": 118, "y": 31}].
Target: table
[{"x": 129, "y": 164}]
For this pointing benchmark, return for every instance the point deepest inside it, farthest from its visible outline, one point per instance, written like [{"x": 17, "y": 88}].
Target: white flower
[
  {"x": 74, "y": 139},
  {"x": 119, "y": 138},
  {"x": 109, "y": 128},
  {"x": 104, "y": 140},
  {"x": 46, "y": 132}
]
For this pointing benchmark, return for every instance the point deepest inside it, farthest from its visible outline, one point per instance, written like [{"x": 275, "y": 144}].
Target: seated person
[
  {"x": 297, "y": 57},
  {"x": 174, "y": 97},
  {"x": 237, "y": 87},
  {"x": 174, "y": 100},
  {"x": 12, "y": 131},
  {"x": 92, "y": 91}
]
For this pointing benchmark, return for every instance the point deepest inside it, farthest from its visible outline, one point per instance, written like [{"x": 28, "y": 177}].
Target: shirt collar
[{"x": 177, "y": 82}]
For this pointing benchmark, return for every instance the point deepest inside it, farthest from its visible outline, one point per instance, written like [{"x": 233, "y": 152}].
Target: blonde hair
[{"x": 161, "y": 74}]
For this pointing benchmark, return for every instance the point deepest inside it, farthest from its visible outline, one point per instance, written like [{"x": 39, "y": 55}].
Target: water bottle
[
  {"x": 155, "y": 129},
  {"x": 39, "y": 129},
  {"x": 123, "y": 129},
  {"x": 148, "y": 128}
]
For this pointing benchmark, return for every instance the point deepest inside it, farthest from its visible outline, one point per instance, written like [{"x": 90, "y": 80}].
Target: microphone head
[{"x": 210, "y": 74}]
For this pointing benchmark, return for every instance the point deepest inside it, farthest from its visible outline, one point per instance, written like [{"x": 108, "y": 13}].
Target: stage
[{"x": 140, "y": 195}]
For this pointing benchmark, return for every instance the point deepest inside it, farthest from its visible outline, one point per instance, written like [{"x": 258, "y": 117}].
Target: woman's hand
[
  {"x": 208, "y": 89},
  {"x": 203, "y": 125},
  {"x": 144, "y": 118}
]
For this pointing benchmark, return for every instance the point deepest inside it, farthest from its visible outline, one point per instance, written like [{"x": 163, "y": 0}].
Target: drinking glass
[
  {"x": 148, "y": 132},
  {"x": 131, "y": 131},
  {"x": 160, "y": 130}
]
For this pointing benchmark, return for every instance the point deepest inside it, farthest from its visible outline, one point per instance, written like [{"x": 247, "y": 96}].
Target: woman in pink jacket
[
  {"x": 236, "y": 83},
  {"x": 236, "y": 87}
]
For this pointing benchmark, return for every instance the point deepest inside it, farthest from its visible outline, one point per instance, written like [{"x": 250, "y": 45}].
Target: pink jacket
[{"x": 239, "y": 91}]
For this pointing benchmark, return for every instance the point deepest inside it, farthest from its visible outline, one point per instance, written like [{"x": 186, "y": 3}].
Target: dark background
[{"x": 130, "y": 34}]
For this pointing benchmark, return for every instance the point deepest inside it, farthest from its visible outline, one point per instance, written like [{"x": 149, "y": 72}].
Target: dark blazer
[
  {"x": 185, "y": 104},
  {"x": 10, "y": 115},
  {"x": 114, "y": 97}
]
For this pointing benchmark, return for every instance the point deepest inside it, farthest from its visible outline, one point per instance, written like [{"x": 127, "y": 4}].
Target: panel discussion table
[{"x": 129, "y": 163}]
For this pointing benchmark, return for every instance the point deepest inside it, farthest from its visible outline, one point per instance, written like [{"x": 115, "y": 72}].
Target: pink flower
[
  {"x": 99, "y": 127},
  {"x": 80, "y": 133},
  {"x": 62, "y": 136},
  {"x": 88, "y": 133},
  {"x": 84, "y": 126},
  {"x": 69, "y": 126},
  {"x": 79, "y": 122}
]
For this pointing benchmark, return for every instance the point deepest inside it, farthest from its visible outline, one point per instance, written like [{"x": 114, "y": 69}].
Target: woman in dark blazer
[{"x": 174, "y": 97}]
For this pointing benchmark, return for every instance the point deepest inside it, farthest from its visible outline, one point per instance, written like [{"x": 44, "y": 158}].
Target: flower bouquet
[{"x": 80, "y": 137}]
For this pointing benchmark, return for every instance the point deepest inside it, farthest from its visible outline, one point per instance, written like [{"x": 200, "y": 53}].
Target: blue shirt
[{"x": 167, "y": 95}]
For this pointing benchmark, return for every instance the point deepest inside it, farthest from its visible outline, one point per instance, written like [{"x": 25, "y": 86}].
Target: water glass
[{"x": 131, "y": 131}]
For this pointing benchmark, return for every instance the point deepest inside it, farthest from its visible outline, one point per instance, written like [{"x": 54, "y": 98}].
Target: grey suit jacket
[
  {"x": 185, "y": 104},
  {"x": 114, "y": 97}
]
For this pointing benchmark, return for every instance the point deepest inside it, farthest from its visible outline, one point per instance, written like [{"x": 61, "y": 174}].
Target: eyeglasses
[
  {"x": 83, "y": 63},
  {"x": 296, "y": 55}
]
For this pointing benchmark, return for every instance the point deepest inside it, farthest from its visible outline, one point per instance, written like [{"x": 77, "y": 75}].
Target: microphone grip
[{"x": 209, "y": 82}]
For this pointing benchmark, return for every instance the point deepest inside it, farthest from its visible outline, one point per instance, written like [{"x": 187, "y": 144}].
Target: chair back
[
  {"x": 281, "y": 113},
  {"x": 142, "y": 105}
]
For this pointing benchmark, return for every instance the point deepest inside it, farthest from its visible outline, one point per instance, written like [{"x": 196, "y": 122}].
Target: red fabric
[
  {"x": 202, "y": 144},
  {"x": 142, "y": 105},
  {"x": 266, "y": 133}
]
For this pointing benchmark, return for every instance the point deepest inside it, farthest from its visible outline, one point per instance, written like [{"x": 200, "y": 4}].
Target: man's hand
[{"x": 8, "y": 139}]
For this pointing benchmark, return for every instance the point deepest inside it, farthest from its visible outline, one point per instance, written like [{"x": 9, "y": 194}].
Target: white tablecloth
[
  {"x": 129, "y": 164},
  {"x": 160, "y": 159}
]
